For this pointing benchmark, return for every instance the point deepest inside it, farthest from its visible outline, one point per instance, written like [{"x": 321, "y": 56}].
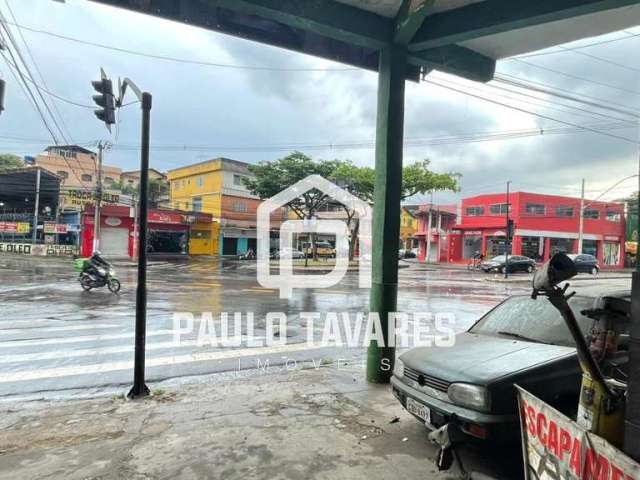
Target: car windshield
[
  {"x": 499, "y": 258},
  {"x": 534, "y": 320}
]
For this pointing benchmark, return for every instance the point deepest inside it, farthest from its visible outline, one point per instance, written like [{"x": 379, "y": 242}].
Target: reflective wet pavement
[{"x": 56, "y": 339}]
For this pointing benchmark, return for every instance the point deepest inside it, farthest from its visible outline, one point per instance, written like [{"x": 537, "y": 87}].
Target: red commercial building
[
  {"x": 168, "y": 230},
  {"x": 543, "y": 225},
  {"x": 434, "y": 238}
]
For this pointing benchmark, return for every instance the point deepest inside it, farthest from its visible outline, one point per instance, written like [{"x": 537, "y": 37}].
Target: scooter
[{"x": 97, "y": 273}]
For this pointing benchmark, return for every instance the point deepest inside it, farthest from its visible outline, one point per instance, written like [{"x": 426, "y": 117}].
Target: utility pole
[
  {"x": 507, "y": 236},
  {"x": 581, "y": 227},
  {"x": 96, "y": 217},
  {"x": 135, "y": 227},
  {"x": 429, "y": 220},
  {"x": 632, "y": 409},
  {"x": 439, "y": 213},
  {"x": 34, "y": 234},
  {"x": 139, "y": 388}
]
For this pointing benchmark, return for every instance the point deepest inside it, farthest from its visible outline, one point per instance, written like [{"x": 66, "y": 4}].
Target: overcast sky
[{"x": 226, "y": 109}]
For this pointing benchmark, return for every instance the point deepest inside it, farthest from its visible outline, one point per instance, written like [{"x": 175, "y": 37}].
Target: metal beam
[
  {"x": 457, "y": 61},
  {"x": 203, "y": 13},
  {"x": 409, "y": 19},
  {"x": 386, "y": 211},
  {"x": 497, "y": 16}
]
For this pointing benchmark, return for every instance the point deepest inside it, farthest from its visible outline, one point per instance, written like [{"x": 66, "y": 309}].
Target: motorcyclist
[{"x": 95, "y": 264}]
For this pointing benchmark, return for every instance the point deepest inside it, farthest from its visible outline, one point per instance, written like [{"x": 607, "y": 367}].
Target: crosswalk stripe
[
  {"x": 151, "y": 362},
  {"x": 56, "y": 354},
  {"x": 79, "y": 339},
  {"x": 66, "y": 328}
]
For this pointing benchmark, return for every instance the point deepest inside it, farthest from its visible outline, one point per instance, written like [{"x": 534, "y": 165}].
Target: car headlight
[
  {"x": 398, "y": 369},
  {"x": 471, "y": 396}
]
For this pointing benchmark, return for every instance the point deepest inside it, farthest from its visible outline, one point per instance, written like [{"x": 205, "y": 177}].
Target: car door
[{"x": 581, "y": 263}]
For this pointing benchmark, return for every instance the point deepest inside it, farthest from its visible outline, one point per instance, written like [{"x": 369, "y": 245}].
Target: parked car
[
  {"x": 295, "y": 253},
  {"x": 521, "y": 341},
  {"x": 323, "y": 249},
  {"x": 585, "y": 263},
  {"x": 402, "y": 253},
  {"x": 517, "y": 263}
]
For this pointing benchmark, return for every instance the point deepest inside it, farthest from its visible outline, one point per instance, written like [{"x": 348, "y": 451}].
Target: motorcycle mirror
[{"x": 556, "y": 270}]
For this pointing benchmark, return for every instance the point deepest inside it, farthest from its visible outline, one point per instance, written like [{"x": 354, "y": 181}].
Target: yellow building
[
  {"x": 216, "y": 187},
  {"x": 408, "y": 228}
]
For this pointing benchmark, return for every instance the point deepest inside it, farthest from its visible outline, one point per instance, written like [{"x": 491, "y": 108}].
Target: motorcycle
[{"x": 97, "y": 273}]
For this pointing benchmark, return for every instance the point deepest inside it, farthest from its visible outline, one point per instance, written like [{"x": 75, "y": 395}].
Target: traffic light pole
[
  {"x": 139, "y": 388},
  {"x": 98, "y": 205},
  {"x": 507, "y": 237}
]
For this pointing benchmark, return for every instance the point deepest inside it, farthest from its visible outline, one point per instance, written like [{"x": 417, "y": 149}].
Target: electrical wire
[{"x": 630, "y": 36}]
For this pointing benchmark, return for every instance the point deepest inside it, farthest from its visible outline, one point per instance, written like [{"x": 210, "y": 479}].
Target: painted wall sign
[
  {"x": 113, "y": 221},
  {"x": 38, "y": 250},
  {"x": 557, "y": 448}
]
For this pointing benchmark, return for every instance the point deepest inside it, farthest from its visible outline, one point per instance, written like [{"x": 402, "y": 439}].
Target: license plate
[{"x": 419, "y": 410}]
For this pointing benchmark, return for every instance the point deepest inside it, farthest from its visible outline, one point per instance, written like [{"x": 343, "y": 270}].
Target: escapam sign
[{"x": 557, "y": 448}]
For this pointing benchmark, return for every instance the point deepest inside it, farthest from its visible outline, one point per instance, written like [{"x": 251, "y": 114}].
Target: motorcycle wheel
[
  {"x": 85, "y": 283},
  {"x": 114, "y": 285}
]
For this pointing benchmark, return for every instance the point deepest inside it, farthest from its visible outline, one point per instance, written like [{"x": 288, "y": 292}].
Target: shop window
[
  {"x": 611, "y": 254},
  {"x": 564, "y": 211},
  {"x": 197, "y": 204},
  {"x": 531, "y": 247},
  {"x": 613, "y": 216},
  {"x": 85, "y": 177},
  {"x": 534, "y": 209},
  {"x": 475, "y": 211},
  {"x": 499, "y": 209},
  {"x": 564, "y": 245},
  {"x": 592, "y": 214}
]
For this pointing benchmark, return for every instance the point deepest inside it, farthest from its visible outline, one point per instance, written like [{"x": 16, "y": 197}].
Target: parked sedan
[
  {"x": 294, "y": 253},
  {"x": 585, "y": 263},
  {"x": 517, "y": 263},
  {"x": 521, "y": 341}
]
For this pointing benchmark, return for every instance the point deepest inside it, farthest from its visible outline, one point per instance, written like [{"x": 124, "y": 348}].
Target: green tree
[
  {"x": 9, "y": 161},
  {"x": 270, "y": 178}
]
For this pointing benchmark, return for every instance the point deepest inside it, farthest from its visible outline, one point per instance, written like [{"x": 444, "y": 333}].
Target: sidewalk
[{"x": 322, "y": 423}]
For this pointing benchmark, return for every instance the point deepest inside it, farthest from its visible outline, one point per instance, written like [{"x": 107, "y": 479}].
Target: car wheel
[
  {"x": 501, "y": 270},
  {"x": 594, "y": 271},
  {"x": 530, "y": 269}
]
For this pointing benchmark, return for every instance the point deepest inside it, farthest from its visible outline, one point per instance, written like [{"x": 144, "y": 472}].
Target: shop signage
[
  {"x": 609, "y": 238},
  {"x": 79, "y": 198},
  {"x": 15, "y": 227},
  {"x": 557, "y": 448},
  {"x": 165, "y": 217},
  {"x": 113, "y": 221},
  {"x": 53, "y": 227},
  {"x": 473, "y": 232},
  {"x": 38, "y": 250}
]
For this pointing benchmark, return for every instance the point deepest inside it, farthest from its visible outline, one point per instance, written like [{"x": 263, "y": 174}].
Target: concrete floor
[{"x": 321, "y": 423}]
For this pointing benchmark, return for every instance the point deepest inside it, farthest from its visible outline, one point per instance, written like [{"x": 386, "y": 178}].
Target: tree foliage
[{"x": 9, "y": 161}]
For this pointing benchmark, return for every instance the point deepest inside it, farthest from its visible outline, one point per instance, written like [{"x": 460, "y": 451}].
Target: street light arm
[
  {"x": 609, "y": 189},
  {"x": 127, "y": 82}
]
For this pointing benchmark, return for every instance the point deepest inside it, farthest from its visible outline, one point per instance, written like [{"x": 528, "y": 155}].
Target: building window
[
  {"x": 62, "y": 174},
  {"x": 109, "y": 180},
  {"x": 534, "y": 209},
  {"x": 197, "y": 204},
  {"x": 240, "y": 207},
  {"x": 200, "y": 181},
  {"x": 592, "y": 214},
  {"x": 237, "y": 180},
  {"x": 564, "y": 211},
  {"x": 175, "y": 185},
  {"x": 475, "y": 211},
  {"x": 613, "y": 216},
  {"x": 85, "y": 177},
  {"x": 499, "y": 209}
]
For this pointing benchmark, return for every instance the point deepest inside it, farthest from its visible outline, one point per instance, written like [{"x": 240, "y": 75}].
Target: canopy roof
[{"x": 462, "y": 37}]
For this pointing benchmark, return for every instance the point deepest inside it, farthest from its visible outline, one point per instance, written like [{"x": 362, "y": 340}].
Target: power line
[
  {"x": 618, "y": 137},
  {"x": 630, "y": 35},
  {"x": 182, "y": 60}
]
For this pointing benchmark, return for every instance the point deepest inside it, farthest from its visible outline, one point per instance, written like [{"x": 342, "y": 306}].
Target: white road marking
[
  {"x": 151, "y": 362},
  {"x": 66, "y": 328},
  {"x": 80, "y": 339},
  {"x": 89, "y": 352}
]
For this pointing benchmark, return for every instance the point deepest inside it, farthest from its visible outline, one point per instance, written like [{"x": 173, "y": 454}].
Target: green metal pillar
[{"x": 386, "y": 210}]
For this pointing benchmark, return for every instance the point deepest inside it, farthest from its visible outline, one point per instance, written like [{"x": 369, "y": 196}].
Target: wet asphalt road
[{"x": 56, "y": 339}]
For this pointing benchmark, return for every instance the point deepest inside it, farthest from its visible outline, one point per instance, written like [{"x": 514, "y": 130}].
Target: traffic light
[
  {"x": 510, "y": 227},
  {"x": 106, "y": 100}
]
